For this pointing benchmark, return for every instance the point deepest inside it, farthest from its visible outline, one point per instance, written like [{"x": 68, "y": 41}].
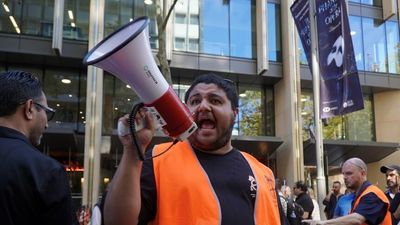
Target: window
[
  {"x": 369, "y": 2},
  {"x": 274, "y": 33},
  {"x": 179, "y": 43},
  {"x": 256, "y": 117},
  {"x": 76, "y": 19},
  {"x": 374, "y": 45},
  {"x": 355, "y": 126},
  {"x": 393, "y": 46},
  {"x": 180, "y": 18},
  {"x": 224, "y": 28},
  {"x": 356, "y": 37},
  {"x": 193, "y": 45},
  {"x": 250, "y": 117},
  {"x": 121, "y": 12},
  {"x": 214, "y": 30},
  {"x": 118, "y": 100},
  {"x": 194, "y": 19},
  {"x": 241, "y": 25}
]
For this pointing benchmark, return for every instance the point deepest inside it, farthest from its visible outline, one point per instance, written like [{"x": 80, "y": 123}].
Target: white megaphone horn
[{"x": 126, "y": 53}]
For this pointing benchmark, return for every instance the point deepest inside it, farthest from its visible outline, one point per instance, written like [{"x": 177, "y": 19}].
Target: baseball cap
[{"x": 391, "y": 167}]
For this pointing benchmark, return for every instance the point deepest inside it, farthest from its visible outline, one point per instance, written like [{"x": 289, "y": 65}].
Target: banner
[
  {"x": 301, "y": 14},
  {"x": 340, "y": 90}
]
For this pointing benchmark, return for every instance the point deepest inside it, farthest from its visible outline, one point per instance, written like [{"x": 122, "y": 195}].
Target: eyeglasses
[{"x": 49, "y": 111}]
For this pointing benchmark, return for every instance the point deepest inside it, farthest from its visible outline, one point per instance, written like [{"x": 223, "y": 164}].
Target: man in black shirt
[
  {"x": 303, "y": 199},
  {"x": 33, "y": 187},
  {"x": 202, "y": 180},
  {"x": 392, "y": 181}
]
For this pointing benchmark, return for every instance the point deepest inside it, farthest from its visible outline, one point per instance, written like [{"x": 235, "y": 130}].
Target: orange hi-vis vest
[
  {"x": 185, "y": 195},
  {"x": 378, "y": 192}
]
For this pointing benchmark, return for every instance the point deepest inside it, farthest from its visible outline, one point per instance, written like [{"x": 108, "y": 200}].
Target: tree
[
  {"x": 251, "y": 119},
  {"x": 162, "y": 20}
]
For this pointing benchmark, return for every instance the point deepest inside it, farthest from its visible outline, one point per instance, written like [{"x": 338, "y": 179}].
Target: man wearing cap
[
  {"x": 392, "y": 181},
  {"x": 370, "y": 205}
]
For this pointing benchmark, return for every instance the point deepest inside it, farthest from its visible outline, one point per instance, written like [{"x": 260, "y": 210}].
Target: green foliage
[
  {"x": 250, "y": 115},
  {"x": 355, "y": 126}
]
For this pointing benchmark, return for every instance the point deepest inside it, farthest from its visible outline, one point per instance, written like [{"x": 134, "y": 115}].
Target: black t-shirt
[
  {"x": 34, "y": 188},
  {"x": 231, "y": 178},
  {"x": 306, "y": 203},
  {"x": 394, "y": 204}
]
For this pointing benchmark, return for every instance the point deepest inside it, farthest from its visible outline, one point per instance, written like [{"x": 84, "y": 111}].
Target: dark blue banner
[
  {"x": 301, "y": 14},
  {"x": 340, "y": 90}
]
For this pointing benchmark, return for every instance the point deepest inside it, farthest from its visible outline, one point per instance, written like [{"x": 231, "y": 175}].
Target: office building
[{"x": 252, "y": 42}]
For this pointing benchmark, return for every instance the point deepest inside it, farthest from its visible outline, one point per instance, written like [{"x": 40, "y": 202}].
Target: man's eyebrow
[
  {"x": 215, "y": 95},
  {"x": 212, "y": 95},
  {"x": 194, "y": 95}
]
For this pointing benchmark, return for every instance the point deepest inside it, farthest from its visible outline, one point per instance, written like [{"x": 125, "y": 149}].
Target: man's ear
[
  {"x": 236, "y": 111},
  {"x": 28, "y": 109}
]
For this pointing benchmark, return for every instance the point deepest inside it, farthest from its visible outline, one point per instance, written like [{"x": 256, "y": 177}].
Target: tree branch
[{"x": 164, "y": 24}]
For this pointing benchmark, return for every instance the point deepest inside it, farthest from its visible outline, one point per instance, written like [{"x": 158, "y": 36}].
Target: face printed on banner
[{"x": 336, "y": 53}]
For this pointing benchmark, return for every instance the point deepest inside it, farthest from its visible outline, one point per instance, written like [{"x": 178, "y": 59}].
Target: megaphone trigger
[{"x": 158, "y": 119}]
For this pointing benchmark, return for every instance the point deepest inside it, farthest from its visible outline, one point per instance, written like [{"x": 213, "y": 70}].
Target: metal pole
[
  {"x": 319, "y": 149},
  {"x": 94, "y": 111}
]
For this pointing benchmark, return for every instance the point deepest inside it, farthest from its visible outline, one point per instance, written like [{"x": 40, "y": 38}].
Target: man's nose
[{"x": 204, "y": 106}]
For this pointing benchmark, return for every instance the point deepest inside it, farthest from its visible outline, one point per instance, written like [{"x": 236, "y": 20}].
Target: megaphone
[{"x": 126, "y": 53}]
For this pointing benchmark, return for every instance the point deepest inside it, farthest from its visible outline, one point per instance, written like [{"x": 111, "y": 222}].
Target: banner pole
[{"x": 319, "y": 149}]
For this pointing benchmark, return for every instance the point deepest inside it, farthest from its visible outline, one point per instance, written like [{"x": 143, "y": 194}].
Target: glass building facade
[{"x": 223, "y": 32}]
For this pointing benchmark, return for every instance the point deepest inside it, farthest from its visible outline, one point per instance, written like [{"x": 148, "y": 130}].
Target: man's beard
[
  {"x": 220, "y": 142},
  {"x": 391, "y": 184}
]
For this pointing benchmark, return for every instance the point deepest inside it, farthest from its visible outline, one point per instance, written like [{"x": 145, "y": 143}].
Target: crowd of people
[
  {"x": 202, "y": 180},
  {"x": 361, "y": 202}
]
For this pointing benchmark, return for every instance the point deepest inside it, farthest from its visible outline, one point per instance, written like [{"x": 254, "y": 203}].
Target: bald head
[
  {"x": 358, "y": 163},
  {"x": 354, "y": 173}
]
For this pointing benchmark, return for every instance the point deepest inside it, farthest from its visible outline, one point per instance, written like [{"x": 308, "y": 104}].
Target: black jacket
[{"x": 33, "y": 187}]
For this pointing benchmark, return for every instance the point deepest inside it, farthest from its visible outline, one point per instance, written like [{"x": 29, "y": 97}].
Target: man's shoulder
[
  {"x": 373, "y": 194},
  {"x": 27, "y": 156},
  {"x": 304, "y": 198}
]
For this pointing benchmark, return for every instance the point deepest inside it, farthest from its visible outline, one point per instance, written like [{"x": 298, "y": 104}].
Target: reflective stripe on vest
[
  {"x": 379, "y": 193},
  {"x": 185, "y": 194}
]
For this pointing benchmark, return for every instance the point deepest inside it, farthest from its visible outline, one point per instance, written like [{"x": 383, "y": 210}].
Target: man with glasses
[{"x": 34, "y": 188}]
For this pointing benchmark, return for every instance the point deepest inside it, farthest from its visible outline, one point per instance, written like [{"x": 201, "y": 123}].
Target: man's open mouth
[{"x": 206, "y": 124}]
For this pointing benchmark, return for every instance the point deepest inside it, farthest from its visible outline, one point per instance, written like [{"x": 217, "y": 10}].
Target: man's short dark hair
[
  {"x": 225, "y": 84},
  {"x": 337, "y": 182},
  {"x": 16, "y": 88},
  {"x": 301, "y": 185}
]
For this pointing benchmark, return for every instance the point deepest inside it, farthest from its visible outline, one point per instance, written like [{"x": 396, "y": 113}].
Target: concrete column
[
  {"x": 94, "y": 109},
  {"x": 287, "y": 103},
  {"x": 262, "y": 36},
  {"x": 387, "y": 120}
]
